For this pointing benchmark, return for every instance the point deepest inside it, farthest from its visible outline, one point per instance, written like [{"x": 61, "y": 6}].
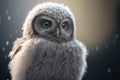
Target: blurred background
[{"x": 98, "y": 27}]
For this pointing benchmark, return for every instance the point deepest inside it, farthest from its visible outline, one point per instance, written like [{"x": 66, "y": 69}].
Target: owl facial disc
[{"x": 53, "y": 22}]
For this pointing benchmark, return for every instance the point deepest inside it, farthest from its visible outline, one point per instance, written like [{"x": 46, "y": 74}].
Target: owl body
[
  {"x": 48, "y": 49},
  {"x": 57, "y": 61},
  {"x": 46, "y": 60}
]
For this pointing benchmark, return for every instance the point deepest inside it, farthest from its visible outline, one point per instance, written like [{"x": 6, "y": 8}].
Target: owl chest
[
  {"x": 56, "y": 55},
  {"x": 55, "y": 62}
]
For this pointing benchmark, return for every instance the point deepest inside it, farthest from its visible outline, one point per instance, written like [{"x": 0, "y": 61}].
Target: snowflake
[
  {"x": 109, "y": 70},
  {"x": 97, "y": 48},
  {"x": 7, "y": 43},
  {"x": 9, "y": 18},
  {"x": 3, "y": 49},
  {"x": 22, "y": 28}
]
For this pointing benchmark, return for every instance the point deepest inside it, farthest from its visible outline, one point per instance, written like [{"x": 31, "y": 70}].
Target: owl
[{"x": 48, "y": 48}]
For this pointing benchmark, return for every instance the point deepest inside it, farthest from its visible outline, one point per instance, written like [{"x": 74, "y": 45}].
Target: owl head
[{"x": 50, "y": 21}]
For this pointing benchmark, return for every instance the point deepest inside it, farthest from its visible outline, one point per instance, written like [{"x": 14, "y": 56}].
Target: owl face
[
  {"x": 53, "y": 22},
  {"x": 49, "y": 28}
]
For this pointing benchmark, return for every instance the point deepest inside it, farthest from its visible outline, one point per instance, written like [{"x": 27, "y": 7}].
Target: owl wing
[{"x": 17, "y": 45}]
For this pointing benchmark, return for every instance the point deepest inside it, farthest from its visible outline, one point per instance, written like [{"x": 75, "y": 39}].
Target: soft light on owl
[{"x": 48, "y": 49}]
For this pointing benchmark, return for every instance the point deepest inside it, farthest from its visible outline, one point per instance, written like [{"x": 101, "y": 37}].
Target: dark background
[{"x": 103, "y": 62}]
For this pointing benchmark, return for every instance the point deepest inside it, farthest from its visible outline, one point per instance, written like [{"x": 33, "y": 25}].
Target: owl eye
[
  {"x": 64, "y": 26},
  {"x": 46, "y": 24}
]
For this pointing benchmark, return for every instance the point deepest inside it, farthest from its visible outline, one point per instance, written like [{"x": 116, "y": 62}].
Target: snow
[
  {"x": 22, "y": 28},
  {"x": 97, "y": 48},
  {"x": 109, "y": 70},
  {"x": 3, "y": 49},
  {"x": 9, "y": 18},
  {"x": 7, "y": 43}
]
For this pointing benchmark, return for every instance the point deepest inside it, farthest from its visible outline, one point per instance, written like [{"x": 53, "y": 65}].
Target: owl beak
[{"x": 57, "y": 32}]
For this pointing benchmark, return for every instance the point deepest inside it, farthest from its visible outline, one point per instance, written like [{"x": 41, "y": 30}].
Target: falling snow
[
  {"x": 3, "y": 49},
  {"x": 22, "y": 28},
  {"x": 9, "y": 18},
  {"x": 7, "y": 43},
  {"x": 109, "y": 70},
  {"x": 97, "y": 48}
]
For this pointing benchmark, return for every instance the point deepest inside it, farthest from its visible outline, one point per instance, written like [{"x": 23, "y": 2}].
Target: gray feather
[{"x": 54, "y": 61}]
